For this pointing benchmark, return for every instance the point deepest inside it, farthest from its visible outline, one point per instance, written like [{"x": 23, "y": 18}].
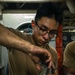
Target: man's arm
[
  {"x": 69, "y": 59},
  {"x": 10, "y": 40}
]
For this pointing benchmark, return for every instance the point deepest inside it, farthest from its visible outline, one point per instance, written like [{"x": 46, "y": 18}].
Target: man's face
[{"x": 44, "y": 30}]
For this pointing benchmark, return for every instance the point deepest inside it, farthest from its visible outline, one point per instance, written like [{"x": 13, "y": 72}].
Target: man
[
  {"x": 69, "y": 59},
  {"x": 31, "y": 54}
]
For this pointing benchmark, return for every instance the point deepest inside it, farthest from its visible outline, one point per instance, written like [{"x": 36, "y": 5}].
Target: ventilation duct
[{"x": 71, "y": 5}]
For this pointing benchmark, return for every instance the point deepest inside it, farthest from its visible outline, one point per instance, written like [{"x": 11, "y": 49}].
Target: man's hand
[{"x": 44, "y": 53}]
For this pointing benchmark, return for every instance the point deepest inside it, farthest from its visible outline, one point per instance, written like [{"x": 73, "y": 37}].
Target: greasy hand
[{"x": 38, "y": 51}]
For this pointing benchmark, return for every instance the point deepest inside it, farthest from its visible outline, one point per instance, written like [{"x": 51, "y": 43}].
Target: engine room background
[{"x": 14, "y": 20}]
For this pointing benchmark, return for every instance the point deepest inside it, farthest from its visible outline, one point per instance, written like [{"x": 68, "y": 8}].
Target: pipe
[
  {"x": 71, "y": 5},
  {"x": 32, "y": 1}
]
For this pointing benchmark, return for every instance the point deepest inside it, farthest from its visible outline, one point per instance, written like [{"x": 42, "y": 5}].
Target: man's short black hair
[{"x": 49, "y": 10}]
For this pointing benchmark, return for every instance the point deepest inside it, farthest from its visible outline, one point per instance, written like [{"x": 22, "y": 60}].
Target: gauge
[
  {"x": 73, "y": 37},
  {"x": 64, "y": 38}
]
